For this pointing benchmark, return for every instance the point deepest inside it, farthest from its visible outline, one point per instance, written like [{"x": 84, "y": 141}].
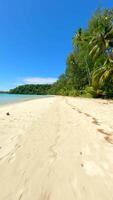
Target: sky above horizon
[{"x": 36, "y": 37}]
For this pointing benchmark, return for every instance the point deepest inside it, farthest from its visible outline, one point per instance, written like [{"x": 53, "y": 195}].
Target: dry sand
[{"x": 57, "y": 148}]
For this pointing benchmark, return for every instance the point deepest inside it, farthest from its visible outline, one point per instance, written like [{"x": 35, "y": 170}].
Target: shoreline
[
  {"x": 25, "y": 100},
  {"x": 47, "y": 96}
]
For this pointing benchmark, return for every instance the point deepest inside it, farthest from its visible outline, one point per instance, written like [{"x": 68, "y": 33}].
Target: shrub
[
  {"x": 89, "y": 92},
  {"x": 74, "y": 93}
]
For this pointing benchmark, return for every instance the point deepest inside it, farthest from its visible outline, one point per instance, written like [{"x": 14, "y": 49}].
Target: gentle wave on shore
[{"x": 13, "y": 98}]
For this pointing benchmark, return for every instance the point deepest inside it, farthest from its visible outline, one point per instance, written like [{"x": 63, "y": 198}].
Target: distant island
[
  {"x": 4, "y": 92},
  {"x": 39, "y": 89}
]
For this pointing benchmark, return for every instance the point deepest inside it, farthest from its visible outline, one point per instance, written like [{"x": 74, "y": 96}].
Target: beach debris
[
  {"x": 0, "y": 147},
  {"x": 7, "y": 113},
  {"x": 80, "y": 153},
  {"x": 82, "y": 165}
]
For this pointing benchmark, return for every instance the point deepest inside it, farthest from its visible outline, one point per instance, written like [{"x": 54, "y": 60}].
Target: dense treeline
[
  {"x": 3, "y": 92},
  {"x": 89, "y": 67},
  {"x": 89, "y": 70},
  {"x": 31, "y": 89}
]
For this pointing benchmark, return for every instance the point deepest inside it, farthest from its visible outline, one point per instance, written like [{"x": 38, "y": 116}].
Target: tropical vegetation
[
  {"x": 89, "y": 70},
  {"x": 32, "y": 89},
  {"x": 89, "y": 67}
]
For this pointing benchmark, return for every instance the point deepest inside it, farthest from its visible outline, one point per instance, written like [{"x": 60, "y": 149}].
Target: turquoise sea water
[{"x": 13, "y": 98}]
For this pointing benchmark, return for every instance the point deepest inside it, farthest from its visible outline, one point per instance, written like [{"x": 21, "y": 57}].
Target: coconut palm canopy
[{"x": 91, "y": 68}]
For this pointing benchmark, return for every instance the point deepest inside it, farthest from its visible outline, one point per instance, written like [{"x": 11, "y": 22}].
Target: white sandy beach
[{"x": 57, "y": 148}]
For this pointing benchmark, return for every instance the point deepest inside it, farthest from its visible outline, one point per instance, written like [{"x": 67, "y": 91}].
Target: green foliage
[
  {"x": 74, "y": 93},
  {"x": 89, "y": 68},
  {"x": 89, "y": 92},
  {"x": 32, "y": 89}
]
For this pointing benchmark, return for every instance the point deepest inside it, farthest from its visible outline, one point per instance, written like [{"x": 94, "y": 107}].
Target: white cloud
[{"x": 39, "y": 80}]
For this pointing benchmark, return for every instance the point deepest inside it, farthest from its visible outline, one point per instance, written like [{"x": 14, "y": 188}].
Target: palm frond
[
  {"x": 96, "y": 76},
  {"x": 93, "y": 50},
  {"x": 104, "y": 77}
]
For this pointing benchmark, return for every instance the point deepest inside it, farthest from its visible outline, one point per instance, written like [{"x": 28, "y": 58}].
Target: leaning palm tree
[
  {"x": 102, "y": 74},
  {"x": 102, "y": 32},
  {"x": 101, "y": 41},
  {"x": 102, "y": 44}
]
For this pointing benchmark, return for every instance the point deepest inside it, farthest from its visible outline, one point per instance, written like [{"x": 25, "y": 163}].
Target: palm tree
[
  {"x": 77, "y": 39},
  {"x": 100, "y": 40},
  {"x": 102, "y": 74},
  {"x": 80, "y": 37},
  {"x": 102, "y": 32},
  {"x": 102, "y": 43}
]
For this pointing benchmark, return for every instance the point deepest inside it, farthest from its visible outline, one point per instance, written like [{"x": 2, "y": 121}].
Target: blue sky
[{"x": 35, "y": 37}]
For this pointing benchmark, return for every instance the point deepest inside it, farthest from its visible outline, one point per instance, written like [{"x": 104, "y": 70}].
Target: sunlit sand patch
[
  {"x": 93, "y": 169},
  {"x": 105, "y": 165},
  {"x": 87, "y": 150}
]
